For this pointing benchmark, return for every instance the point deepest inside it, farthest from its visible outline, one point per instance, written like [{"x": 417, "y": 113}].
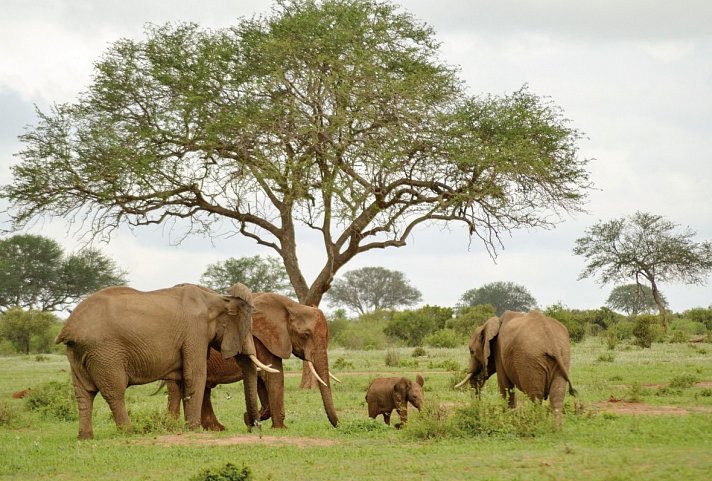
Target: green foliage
[
  {"x": 467, "y": 319},
  {"x": 447, "y": 365},
  {"x": 371, "y": 289},
  {"x": 503, "y": 296},
  {"x": 701, "y": 315},
  {"x": 606, "y": 357},
  {"x": 365, "y": 332},
  {"x": 573, "y": 323},
  {"x": 444, "y": 338},
  {"x": 340, "y": 363},
  {"x": 647, "y": 330},
  {"x": 54, "y": 400},
  {"x": 25, "y": 329},
  {"x": 413, "y": 326},
  {"x": 259, "y": 274},
  {"x": 419, "y": 351},
  {"x": 684, "y": 381},
  {"x": 228, "y": 472},
  {"x": 485, "y": 417},
  {"x": 35, "y": 273},
  {"x": 392, "y": 358},
  {"x": 151, "y": 421},
  {"x": 8, "y": 413}
]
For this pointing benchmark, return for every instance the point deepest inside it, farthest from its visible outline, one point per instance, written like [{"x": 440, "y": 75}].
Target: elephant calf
[{"x": 388, "y": 393}]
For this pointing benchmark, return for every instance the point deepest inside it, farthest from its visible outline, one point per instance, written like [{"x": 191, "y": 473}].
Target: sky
[{"x": 634, "y": 76}]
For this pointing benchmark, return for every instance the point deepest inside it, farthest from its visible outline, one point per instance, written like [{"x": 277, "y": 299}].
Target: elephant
[
  {"x": 528, "y": 350},
  {"x": 280, "y": 327},
  {"x": 388, "y": 393},
  {"x": 119, "y": 337}
]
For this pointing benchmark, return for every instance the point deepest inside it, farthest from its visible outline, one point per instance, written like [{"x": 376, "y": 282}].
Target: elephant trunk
[
  {"x": 249, "y": 382},
  {"x": 321, "y": 364}
]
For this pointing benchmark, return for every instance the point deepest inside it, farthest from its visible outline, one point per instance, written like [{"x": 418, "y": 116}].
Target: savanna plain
[{"x": 639, "y": 414}]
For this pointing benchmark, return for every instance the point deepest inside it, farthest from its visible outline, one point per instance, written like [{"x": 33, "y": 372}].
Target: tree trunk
[{"x": 659, "y": 303}]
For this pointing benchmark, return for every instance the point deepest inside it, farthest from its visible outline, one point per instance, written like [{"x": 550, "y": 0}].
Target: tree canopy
[
  {"x": 372, "y": 288},
  {"x": 644, "y": 247},
  {"x": 502, "y": 296},
  {"x": 633, "y": 299},
  {"x": 259, "y": 274},
  {"x": 35, "y": 273},
  {"x": 337, "y": 116}
]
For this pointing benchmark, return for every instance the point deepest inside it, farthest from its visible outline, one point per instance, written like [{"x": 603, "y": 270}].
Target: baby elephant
[{"x": 388, "y": 393}]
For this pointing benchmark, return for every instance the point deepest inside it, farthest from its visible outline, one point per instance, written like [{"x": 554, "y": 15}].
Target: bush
[
  {"x": 412, "y": 326},
  {"x": 469, "y": 318},
  {"x": 54, "y": 400},
  {"x": 701, "y": 315},
  {"x": 229, "y": 472},
  {"x": 684, "y": 381},
  {"x": 8, "y": 414},
  {"x": 155, "y": 421},
  {"x": 392, "y": 358},
  {"x": 444, "y": 338},
  {"x": 419, "y": 352},
  {"x": 363, "y": 333},
  {"x": 647, "y": 330},
  {"x": 342, "y": 364}
]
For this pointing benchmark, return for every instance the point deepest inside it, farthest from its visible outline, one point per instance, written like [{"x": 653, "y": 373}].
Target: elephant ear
[
  {"x": 489, "y": 332},
  {"x": 270, "y": 323},
  {"x": 400, "y": 392}
]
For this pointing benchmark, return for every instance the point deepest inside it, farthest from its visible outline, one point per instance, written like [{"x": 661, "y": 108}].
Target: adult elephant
[
  {"x": 281, "y": 327},
  {"x": 118, "y": 337},
  {"x": 527, "y": 350}
]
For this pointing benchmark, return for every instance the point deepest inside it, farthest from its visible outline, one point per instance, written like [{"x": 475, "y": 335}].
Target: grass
[{"x": 455, "y": 437}]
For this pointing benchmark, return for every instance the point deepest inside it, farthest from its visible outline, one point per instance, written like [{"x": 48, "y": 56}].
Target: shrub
[
  {"x": 647, "y": 330},
  {"x": 469, "y": 318},
  {"x": 155, "y": 421},
  {"x": 392, "y": 358},
  {"x": 444, "y": 338},
  {"x": 412, "y": 326},
  {"x": 606, "y": 357},
  {"x": 447, "y": 364},
  {"x": 8, "y": 414},
  {"x": 54, "y": 400},
  {"x": 342, "y": 363},
  {"x": 419, "y": 352},
  {"x": 229, "y": 472},
  {"x": 684, "y": 381}
]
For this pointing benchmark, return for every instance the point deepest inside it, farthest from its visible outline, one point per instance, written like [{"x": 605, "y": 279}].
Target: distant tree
[
  {"x": 502, "y": 296},
  {"x": 19, "y": 326},
  {"x": 633, "y": 299},
  {"x": 413, "y": 326},
  {"x": 261, "y": 274},
  {"x": 372, "y": 288},
  {"x": 36, "y": 274},
  {"x": 468, "y": 318},
  {"x": 646, "y": 248}
]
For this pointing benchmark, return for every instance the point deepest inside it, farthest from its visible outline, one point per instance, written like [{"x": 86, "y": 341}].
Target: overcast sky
[{"x": 635, "y": 76}]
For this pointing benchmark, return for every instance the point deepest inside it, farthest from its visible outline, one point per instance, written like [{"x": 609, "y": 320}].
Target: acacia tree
[
  {"x": 35, "y": 273},
  {"x": 500, "y": 295},
  {"x": 647, "y": 248},
  {"x": 337, "y": 116},
  {"x": 261, "y": 274},
  {"x": 633, "y": 299},
  {"x": 372, "y": 288}
]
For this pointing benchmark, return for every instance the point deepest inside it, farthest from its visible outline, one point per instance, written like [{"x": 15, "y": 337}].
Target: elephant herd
[{"x": 193, "y": 339}]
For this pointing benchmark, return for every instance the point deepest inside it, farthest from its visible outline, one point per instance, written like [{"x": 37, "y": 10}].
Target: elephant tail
[
  {"x": 564, "y": 373},
  {"x": 160, "y": 386}
]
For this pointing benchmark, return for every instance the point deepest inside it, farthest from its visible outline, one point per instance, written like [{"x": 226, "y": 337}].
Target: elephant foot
[
  {"x": 213, "y": 426},
  {"x": 399, "y": 425}
]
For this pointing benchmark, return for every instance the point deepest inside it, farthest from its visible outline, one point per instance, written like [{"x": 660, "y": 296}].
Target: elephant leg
[
  {"x": 403, "y": 414},
  {"x": 275, "y": 392},
  {"x": 194, "y": 381},
  {"x": 85, "y": 392},
  {"x": 264, "y": 400},
  {"x": 174, "y": 389},
  {"x": 207, "y": 416},
  {"x": 116, "y": 399},
  {"x": 387, "y": 418},
  {"x": 557, "y": 392}
]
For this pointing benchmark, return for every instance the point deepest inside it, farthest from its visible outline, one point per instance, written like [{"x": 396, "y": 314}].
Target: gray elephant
[
  {"x": 388, "y": 393},
  {"x": 118, "y": 337},
  {"x": 281, "y": 327},
  {"x": 527, "y": 350}
]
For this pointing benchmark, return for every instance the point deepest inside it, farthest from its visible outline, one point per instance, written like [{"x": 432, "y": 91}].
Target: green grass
[{"x": 594, "y": 444}]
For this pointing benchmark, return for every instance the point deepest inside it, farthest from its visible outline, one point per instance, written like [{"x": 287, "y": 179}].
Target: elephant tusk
[
  {"x": 259, "y": 364},
  {"x": 467, "y": 378},
  {"x": 311, "y": 368},
  {"x": 334, "y": 377}
]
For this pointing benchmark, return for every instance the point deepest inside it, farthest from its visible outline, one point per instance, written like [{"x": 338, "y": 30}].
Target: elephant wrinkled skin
[
  {"x": 388, "y": 393},
  {"x": 527, "y": 350},
  {"x": 281, "y": 327},
  {"x": 119, "y": 337}
]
